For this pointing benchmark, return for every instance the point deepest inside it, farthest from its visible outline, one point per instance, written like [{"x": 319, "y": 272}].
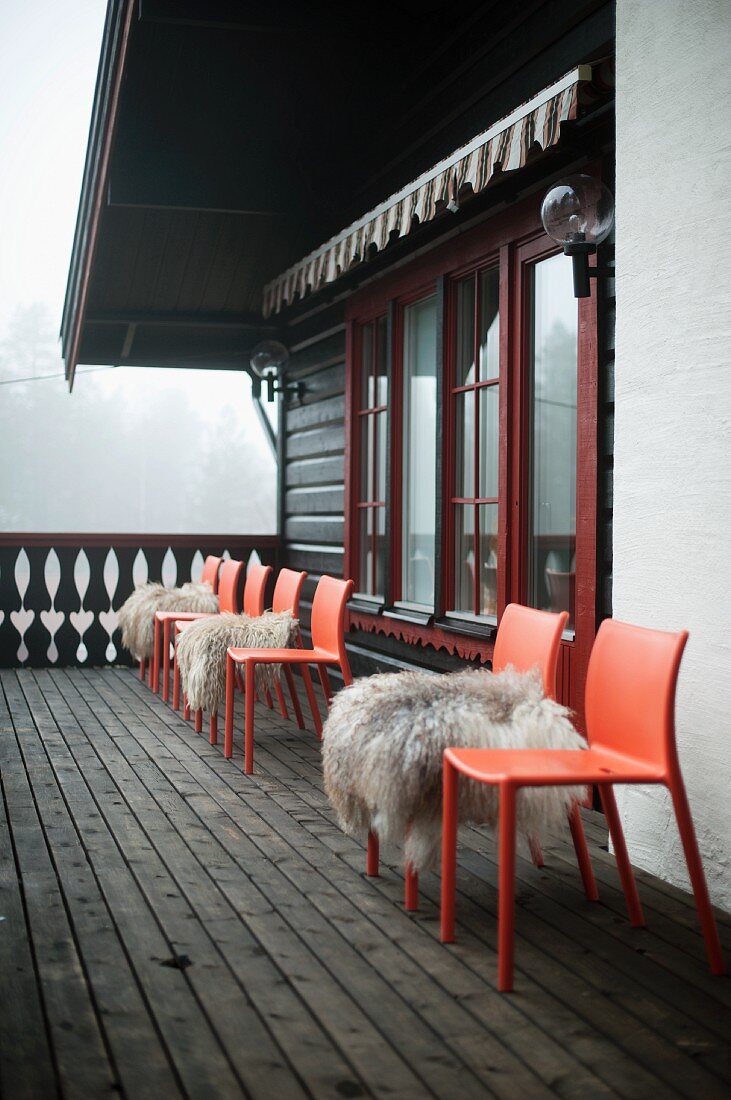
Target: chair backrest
[
  {"x": 255, "y": 589},
  {"x": 228, "y": 585},
  {"x": 287, "y": 591},
  {"x": 630, "y": 690},
  {"x": 210, "y": 571},
  {"x": 527, "y": 639},
  {"x": 328, "y": 615}
]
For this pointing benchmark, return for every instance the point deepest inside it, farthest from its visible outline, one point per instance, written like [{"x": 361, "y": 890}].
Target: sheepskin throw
[
  {"x": 202, "y": 649},
  {"x": 137, "y": 613},
  {"x": 384, "y": 740}
]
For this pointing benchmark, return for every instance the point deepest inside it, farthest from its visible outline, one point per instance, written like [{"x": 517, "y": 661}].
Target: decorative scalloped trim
[{"x": 458, "y": 645}]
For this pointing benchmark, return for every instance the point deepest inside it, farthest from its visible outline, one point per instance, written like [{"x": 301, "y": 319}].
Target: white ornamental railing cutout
[
  {"x": 22, "y": 619},
  {"x": 169, "y": 570},
  {"x": 140, "y": 569},
  {"x": 109, "y": 619},
  {"x": 196, "y": 567},
  {"x": 81, "y": 620},
  {"x": 52, "y": 619}
]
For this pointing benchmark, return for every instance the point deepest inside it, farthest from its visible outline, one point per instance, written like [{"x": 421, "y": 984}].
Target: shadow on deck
[{"x": 170, "y": 927}]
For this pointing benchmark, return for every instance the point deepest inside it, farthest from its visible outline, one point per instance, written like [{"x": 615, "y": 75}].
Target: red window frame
[
  {"x": 450, "y": 392},
  {"x": 377, "y": 413},
  {"x": 516, "y": 239}
]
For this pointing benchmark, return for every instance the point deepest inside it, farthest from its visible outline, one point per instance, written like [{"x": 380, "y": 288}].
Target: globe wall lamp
[
  {"x": 268, "y": 360},
  {"x": 578, "y": 212}
]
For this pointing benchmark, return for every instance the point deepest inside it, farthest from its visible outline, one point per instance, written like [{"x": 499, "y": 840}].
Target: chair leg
[
  {"x": 582, "y": 853},
  {"x": 176, "y": 679},
  {"x": 228, "y": 729},
  {"x": 411, "y": 889},
  {"x": 325, "y": 681},
  {"x": 268, "y": 698},
  {"x": 142, "y": 669},
  {"x": 632, "y": 898},
  {"x": 697, "y": 877},
  {"x": 280, "y": 699},
  {"x": 249, "y": 728},
  {"x": 294, "y": 697},
  {"x": 199, "y": 721},
  {"x": 450, "y": 783},
  {"x": 536, "y": 852},
  {"x": 156, "y": 657},
  {"x": 166, "y": 661},
  {"x": 213, "y": 728},
  {"x": 312, "y": 701},
  {"x": 373, "y": 855},
  {"x": 186, "y": 708},
  {"x": 506, "y": 898},
  {"x": 151, "y": 671}
]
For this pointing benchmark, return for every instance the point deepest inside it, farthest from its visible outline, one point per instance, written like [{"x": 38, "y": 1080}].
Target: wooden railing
[{"x": 60, "y": 593}]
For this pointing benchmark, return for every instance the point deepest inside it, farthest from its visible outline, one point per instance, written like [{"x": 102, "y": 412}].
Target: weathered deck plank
[{"x": 129, "y": 841}]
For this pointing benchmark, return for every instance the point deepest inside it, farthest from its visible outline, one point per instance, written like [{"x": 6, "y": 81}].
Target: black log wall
[{"x": 312, "y": 455}]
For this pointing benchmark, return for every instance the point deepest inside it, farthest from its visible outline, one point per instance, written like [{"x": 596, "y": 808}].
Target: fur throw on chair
[
  {"x": 137, "y": 613},
  {"x": 384, "y": 740},
  {"x": 201, "y": 649}
]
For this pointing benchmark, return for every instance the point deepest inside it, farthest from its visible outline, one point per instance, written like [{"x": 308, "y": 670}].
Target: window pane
[
  {"x": 464, "y": 412},
  {"x": 366, "y": 367},
  {"x": 489, "y": 435},
  {"x": 381, "y": 377},
  {"x": 367, "y": 442},
  {"x": 464, "y": 557},
  {"x": 381, "y": 455},
  {"x": 552, "y": 543},
  {"x": 489, "y": 323},
  {"x": 465, "y": 373},
  {"x": 380, "y": 518},
  {"x": 419, "y": 453},
  {"x": 365, "y": 516},
  {"x": 487, "y": 514}
]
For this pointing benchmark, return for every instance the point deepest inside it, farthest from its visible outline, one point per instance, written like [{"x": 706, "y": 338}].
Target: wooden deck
[{"x": 170, "y": 927}]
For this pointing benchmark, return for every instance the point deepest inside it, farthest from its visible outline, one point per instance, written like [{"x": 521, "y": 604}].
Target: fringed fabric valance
[{"x": 505, "y": 147}]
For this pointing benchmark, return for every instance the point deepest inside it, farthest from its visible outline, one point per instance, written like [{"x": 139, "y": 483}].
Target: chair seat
[
  {"x": 551, "y": 767},
  {"x": 183, "y": 616},
  {"x": 181, "y": 623},
  {"x": 288, "y": 656}
]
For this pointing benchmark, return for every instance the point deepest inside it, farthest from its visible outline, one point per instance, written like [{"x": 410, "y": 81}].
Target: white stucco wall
[{"x": 672, "y": 508}]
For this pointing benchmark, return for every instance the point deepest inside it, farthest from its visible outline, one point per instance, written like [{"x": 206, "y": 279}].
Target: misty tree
[{"x": 128, "y": 451}]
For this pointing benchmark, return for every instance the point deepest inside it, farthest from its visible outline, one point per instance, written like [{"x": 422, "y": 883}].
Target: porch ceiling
[
  {"x": 220, "y": 144},
  {"x": 228, "y": 140}
]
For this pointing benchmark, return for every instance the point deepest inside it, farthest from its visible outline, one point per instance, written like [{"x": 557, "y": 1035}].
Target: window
[
  {"x": 372, "y": 453},
  {"x": 552, "y": 444},
  {"x": 419, "y": 389},
  {"x": 491, "y": 396},
  {"x": 475, "y": 416}
]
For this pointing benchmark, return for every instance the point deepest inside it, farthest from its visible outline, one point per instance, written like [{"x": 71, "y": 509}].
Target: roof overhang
[
  {"x": 228, "y": 138},
  {"x": 506, "y": 146}
]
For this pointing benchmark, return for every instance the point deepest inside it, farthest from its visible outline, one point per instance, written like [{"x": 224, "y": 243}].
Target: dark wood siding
[{"x": 312, "y": 452}]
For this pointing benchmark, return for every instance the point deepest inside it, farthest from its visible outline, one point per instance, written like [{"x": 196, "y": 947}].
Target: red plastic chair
[
  {"x": 286, "y": 597},
  {"x": 253, "y": 604},
  {"x": 209, "y": 575},
  {"x": 228, "y": 586},
  {"x": 630, "y": 704},
  {"x": 526, "y": 639},
  {"x": 328, "y": 648}
]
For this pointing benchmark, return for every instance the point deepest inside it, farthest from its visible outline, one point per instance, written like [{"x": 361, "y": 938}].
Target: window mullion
[
  {"x": 441, "y": 463},
  {"x": 476, "y": 451}
]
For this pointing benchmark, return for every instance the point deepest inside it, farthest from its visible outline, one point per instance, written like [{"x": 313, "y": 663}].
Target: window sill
[
  {"x": 407, "y": 614},
  {"x": 371, "y": 605},
  {"x": 473, "y": 626}
]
